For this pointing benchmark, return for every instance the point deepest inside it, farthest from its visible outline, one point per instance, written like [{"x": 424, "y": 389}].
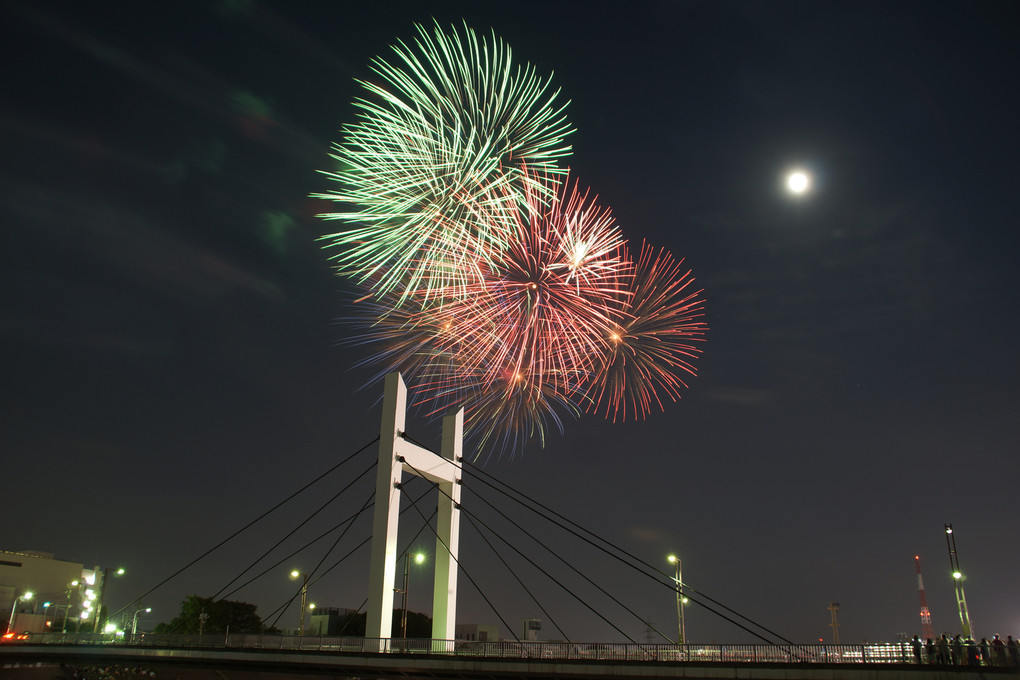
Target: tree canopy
[{"x": 240, "y": 617}]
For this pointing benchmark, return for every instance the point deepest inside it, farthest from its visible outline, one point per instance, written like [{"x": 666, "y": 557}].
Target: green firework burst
[{"x": 443, "y": 135}]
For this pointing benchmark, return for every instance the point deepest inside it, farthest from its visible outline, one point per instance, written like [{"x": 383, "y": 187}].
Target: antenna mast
[
  {"x": 833, "y": 608},
  {"x": 927, "y": 632}
]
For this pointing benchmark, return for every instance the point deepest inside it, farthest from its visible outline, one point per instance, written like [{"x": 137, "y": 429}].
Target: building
[
  {"x": 40, "y": 589},
  {"x": 331, "y": 621},
  {"x": 531, "y": 630},
  {"x": 476, "y": 632}
]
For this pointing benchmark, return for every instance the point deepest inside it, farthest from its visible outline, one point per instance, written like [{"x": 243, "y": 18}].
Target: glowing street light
[
  {"x": 102, "y": 594},
  {"x": 294, "y": 575},
  {"x": 680, "y": 601},
  {"x": 14, "y": 610},
  {"x": 419, "y": 558},
  {"x": 954, "y": 564},
  {"x": 134, "y": 619}
]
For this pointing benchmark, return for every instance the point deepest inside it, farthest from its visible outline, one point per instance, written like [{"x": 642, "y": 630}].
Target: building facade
[
  {"x": 476, "y": 632},
  {"x": 331, "y": 621},
  {"x": 41, "y": 590},
  {"x": 531, "y": 630}
]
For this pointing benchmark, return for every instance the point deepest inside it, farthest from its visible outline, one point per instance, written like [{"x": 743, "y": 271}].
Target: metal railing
[{"x": 899, "y": 653}]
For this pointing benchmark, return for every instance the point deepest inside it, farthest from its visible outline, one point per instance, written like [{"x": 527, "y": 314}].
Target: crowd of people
[{"x": 960, "y": 651}]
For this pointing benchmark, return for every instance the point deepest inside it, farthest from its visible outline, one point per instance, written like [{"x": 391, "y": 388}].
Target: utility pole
[
  {"x": 927, "y": 632},
  {"x": 833, "y": 608},
  {"x": 954, "y": 564}
]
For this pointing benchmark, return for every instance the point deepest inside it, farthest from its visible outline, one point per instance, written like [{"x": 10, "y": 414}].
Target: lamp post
[
  {"x": 67, "y": 603},
  {"x": 954, "y": 564},
  {"x": 418, "y": 559},
  {"x": 134, "y": 620},
  {"x": 294, "y": 575},
  {"x": 14, "y": 609},
  {"x": 102, "y": 594},
  {"x": 311, "y": 610},
  {"x": 680, "y": 601}
]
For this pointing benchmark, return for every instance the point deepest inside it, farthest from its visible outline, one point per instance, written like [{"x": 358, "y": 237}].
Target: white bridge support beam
[
  {"x": 396, "y": 456},
  {"x": 444, "y": 602}
]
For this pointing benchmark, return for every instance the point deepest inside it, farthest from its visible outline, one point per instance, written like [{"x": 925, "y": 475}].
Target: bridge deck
[{"x": 42, "y": 662}]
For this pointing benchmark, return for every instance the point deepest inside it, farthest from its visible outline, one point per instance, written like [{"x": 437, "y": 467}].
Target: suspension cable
[
  {"x": 571, "y": 567},
  {"x": 409, "y": 544},
  {"x": 245, "y": 527},
  {"x": 552, "y": 578},
  {"x": 534, "y": 599},
  {"x": 282, "y": 609},
  {"x": 298, "y": 527},
  {"x": 454, "y": 558},
  {"x": 656, "y": 573},
  {"x": 349, "y": 518}
]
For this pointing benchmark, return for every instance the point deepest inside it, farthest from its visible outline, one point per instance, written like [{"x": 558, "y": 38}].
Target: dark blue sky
[{"x": 168, "y": 317}]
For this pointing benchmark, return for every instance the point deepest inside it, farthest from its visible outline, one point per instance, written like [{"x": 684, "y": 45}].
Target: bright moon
[{"x": 798, "y": 182}]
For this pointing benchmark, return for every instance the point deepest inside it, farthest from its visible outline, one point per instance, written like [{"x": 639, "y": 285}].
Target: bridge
[{"x": 266, "y": 657}]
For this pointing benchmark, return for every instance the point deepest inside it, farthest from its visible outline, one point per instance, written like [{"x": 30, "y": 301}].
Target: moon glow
[{"x": 798, "y": 182}]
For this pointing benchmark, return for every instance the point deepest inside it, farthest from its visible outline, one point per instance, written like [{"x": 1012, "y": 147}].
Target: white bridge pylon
[{"x": 396, "y": 456}]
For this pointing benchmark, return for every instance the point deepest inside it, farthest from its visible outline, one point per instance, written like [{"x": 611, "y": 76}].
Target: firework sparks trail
[
  {"x": 442, "y": 137},
  {"x": 491, "y": 281},
  {"x": 541, "y": 308},
  {"x": 651, "y": 344},
  {"x": 515, "y": 343}
]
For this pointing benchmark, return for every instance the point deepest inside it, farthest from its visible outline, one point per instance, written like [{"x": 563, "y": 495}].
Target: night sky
[{"x": 173, "y": 365}]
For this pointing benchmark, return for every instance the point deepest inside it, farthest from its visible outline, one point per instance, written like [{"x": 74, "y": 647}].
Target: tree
[
  {"x": 418, "y": 625},
  {"x": 240, "y": 617}
]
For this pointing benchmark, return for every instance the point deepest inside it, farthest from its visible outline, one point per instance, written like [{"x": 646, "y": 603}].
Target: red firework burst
[
  {"x": 515, "y": 343},
  {"x": 652, "y": 342},
  {"x": 541, "y": 308}
]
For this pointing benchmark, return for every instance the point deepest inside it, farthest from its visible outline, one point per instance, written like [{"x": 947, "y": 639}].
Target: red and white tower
[{"x": 927, "y": 632}]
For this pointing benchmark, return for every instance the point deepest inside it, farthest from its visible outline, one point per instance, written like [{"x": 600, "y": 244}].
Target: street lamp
[
  {"x": 67, "y": 603},
  {"x": 24, "y": 598},
  {"x": 134, "y": 620},
  {"x": 680, "y": 601},
  {"x": 954, "y": 564},
  {"x": 102, "y": 593},
  {"x": 294, "y": 575},
  {"x": 419, "y": 558}
]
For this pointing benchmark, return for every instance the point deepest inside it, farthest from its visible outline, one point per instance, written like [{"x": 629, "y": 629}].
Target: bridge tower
[
  {"x": 396, "y": 456},
  {"x": 927, "y": 632}
]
